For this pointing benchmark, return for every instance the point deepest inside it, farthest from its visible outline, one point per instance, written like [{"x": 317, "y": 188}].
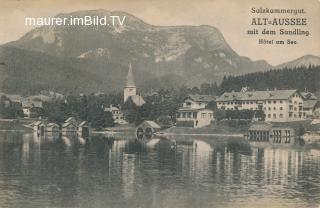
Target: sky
[{"x": 232, "y": 17}]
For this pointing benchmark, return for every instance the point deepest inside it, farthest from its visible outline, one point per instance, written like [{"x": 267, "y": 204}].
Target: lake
[{"x": 120, "y": 172}]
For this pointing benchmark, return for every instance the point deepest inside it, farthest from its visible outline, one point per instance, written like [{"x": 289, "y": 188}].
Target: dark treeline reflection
[{"x": 67, "y": 171}]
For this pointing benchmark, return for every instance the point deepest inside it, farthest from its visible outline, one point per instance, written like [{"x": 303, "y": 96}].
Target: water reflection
[{"x": 68, "y": 171}]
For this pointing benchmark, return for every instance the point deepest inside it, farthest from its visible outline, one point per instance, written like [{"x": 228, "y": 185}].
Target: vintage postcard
[{"x": 159, "y": 103}]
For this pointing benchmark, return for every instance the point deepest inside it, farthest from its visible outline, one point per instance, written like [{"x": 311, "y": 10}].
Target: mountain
[
  {"x": 162, "y": 56},
  {"x": 306, "y": 61}
]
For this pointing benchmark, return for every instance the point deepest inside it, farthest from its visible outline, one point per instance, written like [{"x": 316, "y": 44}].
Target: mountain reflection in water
[{"x": 192, "y": 172}]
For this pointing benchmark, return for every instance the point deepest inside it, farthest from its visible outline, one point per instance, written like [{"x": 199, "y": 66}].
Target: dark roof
[
  {"x": 202, "y": 98},
  {"x": 308, "y": 95},
  {"x": 310, "y": 103},
  {"x": 260, "y": 126},
  {"x": 150, "y": 124},
  {"x": 257, "y": 95}
]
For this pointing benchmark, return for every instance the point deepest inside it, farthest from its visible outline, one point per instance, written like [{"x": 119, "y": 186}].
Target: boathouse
[
  {"x": 38, "y": 127},
  {"x": 52, "y": 127},
  {"x": 69, "y": 128},
  {"x": 267, "y": 132},
  {"x": 147, "y": 128},
  {"x": 83, "y": 129}
]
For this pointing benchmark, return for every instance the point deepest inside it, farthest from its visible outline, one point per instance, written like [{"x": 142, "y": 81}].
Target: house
[
  {"x": 52, "y": 127},
  {"x": 117, "y": 114},
  {"x": 194, "y": 112},
  {"x": 310, "y": 108},
  {"x": 83, "y": 129},
  {"x": 147, "y": 128},
  {"x": 278, "y": 105},
  {"x": 266, "y": 132},
  {"x": 68, "y": 128},
  {"x": 29, "y": 107}
]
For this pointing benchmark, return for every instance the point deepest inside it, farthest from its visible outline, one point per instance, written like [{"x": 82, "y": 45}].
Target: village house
[
  {"x": 29, "y": 106},
  {"x": 117, "y": 114},
  {"x": 278, "y": 105},
  {"x": 194, "y": 112}
]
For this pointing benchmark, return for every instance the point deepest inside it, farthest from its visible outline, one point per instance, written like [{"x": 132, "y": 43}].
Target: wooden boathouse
[
  {"x": 267, "y": 132},
  {"x": 147, "y": 129}
]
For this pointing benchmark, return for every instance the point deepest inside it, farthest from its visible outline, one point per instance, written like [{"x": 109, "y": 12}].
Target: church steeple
[
  {"x": 130, "y": 79},
  {"x": 130, "y": 88}
]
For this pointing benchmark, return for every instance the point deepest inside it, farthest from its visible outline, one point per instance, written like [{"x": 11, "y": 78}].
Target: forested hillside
[{"x": 301, "y": 78}]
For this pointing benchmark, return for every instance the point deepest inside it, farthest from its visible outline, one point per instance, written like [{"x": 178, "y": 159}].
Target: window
[
  {"x": 274, "y": 108},
  {"x": 281, "y": 108},
  {"x": 203, "y": 115},
  {"x": 281, "y": 115},
  {"x": 274, "y": 115},
  {"x": 194, "y": 115},
  {"x": 280, "y": 101},
  {"x": 269, "y": 102},
  {"x": 274, "y": 102},
  {"x": 251, "y": 102},
  {"x": 269, "y": 115},
  {"x": 269, "y": 109}
]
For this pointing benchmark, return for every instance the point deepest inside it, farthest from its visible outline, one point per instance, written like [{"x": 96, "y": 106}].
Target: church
[
  {"x": 129, "y": 97},
  {"x": 130, "y": 90}
]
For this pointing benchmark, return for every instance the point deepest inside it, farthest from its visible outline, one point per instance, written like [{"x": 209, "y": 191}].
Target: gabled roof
[
  {"x": 202, "y": 98},
  {"x": 36, "y": 123},
  {"x": 260, "y": 126},
  {"x": 111, "y": 108},
  {"x": 67, "y": 124},
  {"x": 150, "y": 124},
  {"x": 83, "y": 123},
  {"x": 310, "y": 103},
  {"x": 137, "y": 100},
  {"x": 308, "y": 95},
  {"x": 70, "y": 119},
  {"x": 257, "y": 95},
  {"x": 52, "y": 125}
]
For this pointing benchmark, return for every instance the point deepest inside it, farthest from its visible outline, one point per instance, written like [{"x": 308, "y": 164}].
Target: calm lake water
[{"x": 101, "y": 172}]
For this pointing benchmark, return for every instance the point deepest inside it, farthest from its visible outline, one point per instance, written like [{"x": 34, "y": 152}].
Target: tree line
[{"x": 301, "y": 78}]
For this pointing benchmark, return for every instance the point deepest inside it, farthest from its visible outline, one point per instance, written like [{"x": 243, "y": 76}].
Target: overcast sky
[{"x": 231, "y": 17}]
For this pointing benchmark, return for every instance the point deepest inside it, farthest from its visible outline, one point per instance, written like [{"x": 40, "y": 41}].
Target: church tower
[{"x": 130, "y": 88}]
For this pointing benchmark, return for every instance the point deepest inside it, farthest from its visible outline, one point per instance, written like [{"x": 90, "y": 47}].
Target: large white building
[
  {"x": 194, "y": 112},
  {"x": 278, "y": 105}
]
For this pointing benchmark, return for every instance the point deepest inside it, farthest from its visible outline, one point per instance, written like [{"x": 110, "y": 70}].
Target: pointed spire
[{"x": 130, "y": 79}]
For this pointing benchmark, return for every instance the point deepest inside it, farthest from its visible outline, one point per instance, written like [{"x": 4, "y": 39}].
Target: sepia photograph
[{"x": 159, "y": 103}]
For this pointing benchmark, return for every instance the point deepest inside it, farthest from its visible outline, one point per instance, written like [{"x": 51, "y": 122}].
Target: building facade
[
  {"x": 194, "y": 112},
  {"x": 117, "y": 114},
  {"x": 278, "y": 105}
]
